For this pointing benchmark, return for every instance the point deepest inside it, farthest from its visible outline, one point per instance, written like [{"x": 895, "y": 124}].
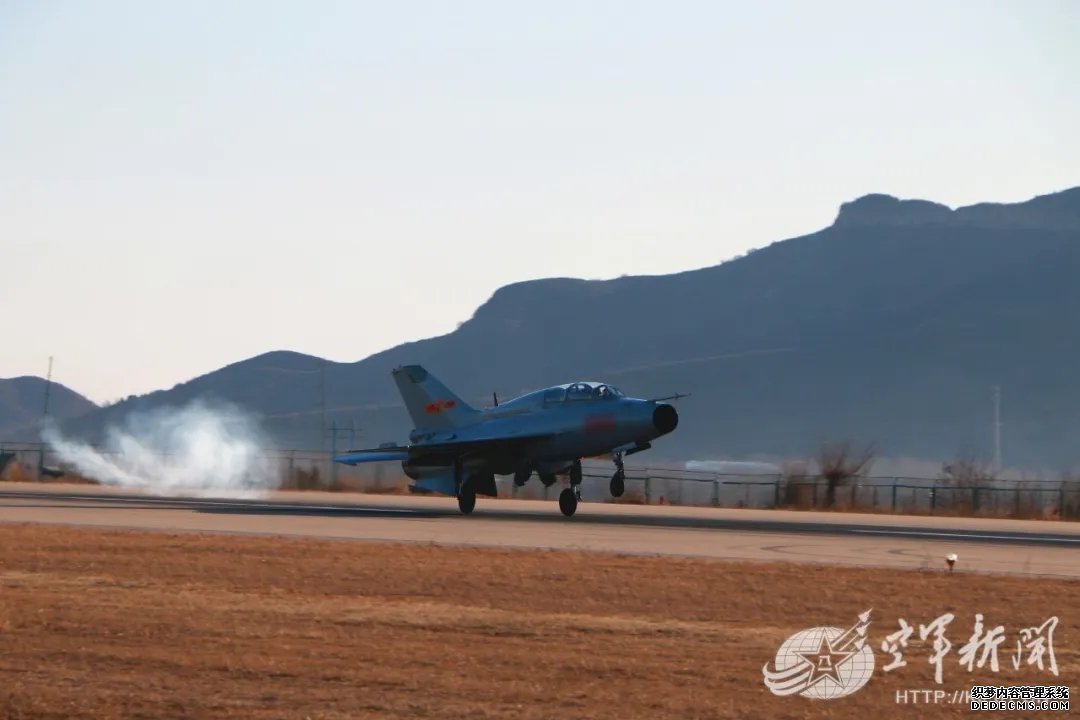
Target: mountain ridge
[
  {"x": 22, "y": 401},
  {"x": 1054, "y": 211},
  {"x": 889, "y": 326}
]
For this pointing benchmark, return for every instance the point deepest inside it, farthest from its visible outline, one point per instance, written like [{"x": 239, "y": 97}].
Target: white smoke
[{"x": 198, "y": 449}]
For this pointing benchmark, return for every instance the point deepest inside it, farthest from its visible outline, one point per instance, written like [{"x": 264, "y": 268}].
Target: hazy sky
[{"x": 187, "y": 184}]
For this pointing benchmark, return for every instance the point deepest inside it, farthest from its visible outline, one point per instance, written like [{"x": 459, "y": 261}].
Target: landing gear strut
[
  {"x": 618, "y": 480},
  {"x": 575, "y": 474},
  {"x": 459, "y": 475}
]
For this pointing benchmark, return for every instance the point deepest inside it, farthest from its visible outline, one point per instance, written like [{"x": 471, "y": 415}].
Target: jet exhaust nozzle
[{"x": 665, "y": 419}]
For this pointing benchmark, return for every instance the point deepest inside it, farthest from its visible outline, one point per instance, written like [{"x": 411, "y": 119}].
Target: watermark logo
[
  {"x": 827, "y": 663},
  {"x": 824, "y": 663}
]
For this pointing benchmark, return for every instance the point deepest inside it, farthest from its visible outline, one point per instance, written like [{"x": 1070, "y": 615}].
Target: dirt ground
[{"x": 108, "y": 624}]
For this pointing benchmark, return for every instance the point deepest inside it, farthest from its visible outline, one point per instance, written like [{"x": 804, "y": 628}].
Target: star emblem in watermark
[{"x": 824, "y": 662}]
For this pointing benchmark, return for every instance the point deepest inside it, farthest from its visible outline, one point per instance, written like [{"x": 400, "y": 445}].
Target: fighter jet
[{"x": 457, "y": 450}]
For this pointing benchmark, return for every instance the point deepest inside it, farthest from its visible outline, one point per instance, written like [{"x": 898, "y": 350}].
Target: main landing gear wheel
[
  {"x": 618, "y": 484},
  {"x": 466, "y": 499},
  {"x": 466, "y": 492},
  {"x": 568, "y": 502}
]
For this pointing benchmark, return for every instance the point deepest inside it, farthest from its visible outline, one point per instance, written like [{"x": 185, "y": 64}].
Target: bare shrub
[
  {"x": 304, "y": 479},
  {"x": 838, "y": 463},
  {"x": 1070, "y": 495},
  {"x": 965, "y": 476},
  {"x": 17, "y": 472},
  {"x": 5, "y": 458},
  {"x": 1027, "y": 505},
  {"x": 795, "y": 483},
  {"x": 967, "y": 471}
]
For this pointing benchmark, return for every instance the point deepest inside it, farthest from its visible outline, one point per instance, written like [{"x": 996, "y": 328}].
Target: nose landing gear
[{"x": 618, "y": 480}]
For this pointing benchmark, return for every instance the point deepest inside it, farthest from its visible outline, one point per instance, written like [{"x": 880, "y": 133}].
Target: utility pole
[
  {"x": 997, "y": 429},
  {"x": 322, "y": 405},
  {"x": 335, "y": 433},
  {"x": 44, "y": 419},
  {"x": 48, "y": 384},
  {"x": 333, "y": 452}
]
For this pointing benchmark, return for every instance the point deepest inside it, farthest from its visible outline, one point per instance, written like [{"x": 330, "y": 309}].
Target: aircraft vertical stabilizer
[{"x": 431, "y": 404}]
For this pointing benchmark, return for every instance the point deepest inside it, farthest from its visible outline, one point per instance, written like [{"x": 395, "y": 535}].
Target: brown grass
[{"x": 104, "y": 624}]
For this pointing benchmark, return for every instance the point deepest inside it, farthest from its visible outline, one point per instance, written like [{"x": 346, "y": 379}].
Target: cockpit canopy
[{"x": 581, "y": 391}]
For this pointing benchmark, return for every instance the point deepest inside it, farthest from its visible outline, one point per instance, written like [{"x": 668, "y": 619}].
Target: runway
[{"x": 1042, "y": 548}]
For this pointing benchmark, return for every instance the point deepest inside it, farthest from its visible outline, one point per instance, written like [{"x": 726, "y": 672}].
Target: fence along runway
[
  {"x": 683, "y": 486},
  {"x": 984, "y": 545}
]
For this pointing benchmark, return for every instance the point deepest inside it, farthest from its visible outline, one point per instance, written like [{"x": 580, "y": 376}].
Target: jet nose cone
[{"x": 665, "y": 419}]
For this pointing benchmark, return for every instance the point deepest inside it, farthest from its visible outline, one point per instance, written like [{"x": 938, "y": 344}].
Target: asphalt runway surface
[{"x": 1030, "y": 547}]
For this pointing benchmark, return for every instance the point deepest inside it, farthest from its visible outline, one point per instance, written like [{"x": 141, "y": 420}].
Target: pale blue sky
[{"x": 186, "y": 184}]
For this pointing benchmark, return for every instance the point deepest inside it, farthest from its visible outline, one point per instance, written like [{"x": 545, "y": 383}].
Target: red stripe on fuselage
[{"x": 599, "y": 423}]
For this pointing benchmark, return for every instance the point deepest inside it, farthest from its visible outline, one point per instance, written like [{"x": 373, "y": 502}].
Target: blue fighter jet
[{"x": 458, "y": 450}]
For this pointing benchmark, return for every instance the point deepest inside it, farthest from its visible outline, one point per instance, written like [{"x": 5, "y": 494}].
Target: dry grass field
[{"x": 110, "y": 624}]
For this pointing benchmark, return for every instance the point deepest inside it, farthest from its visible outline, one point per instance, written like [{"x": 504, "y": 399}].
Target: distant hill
[
  {"x": 22, "y": 401},
  {"x": 890, "y": 326}
]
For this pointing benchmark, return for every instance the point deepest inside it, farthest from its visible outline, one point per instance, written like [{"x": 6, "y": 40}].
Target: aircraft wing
[
  {"x": 476, "y": 443},
  {"x": 443, "y": 450},
  {"x": 356, "y": 457}
]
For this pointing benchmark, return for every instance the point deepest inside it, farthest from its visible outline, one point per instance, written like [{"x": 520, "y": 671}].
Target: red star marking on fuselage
[{"x": 438, "y": 406}]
